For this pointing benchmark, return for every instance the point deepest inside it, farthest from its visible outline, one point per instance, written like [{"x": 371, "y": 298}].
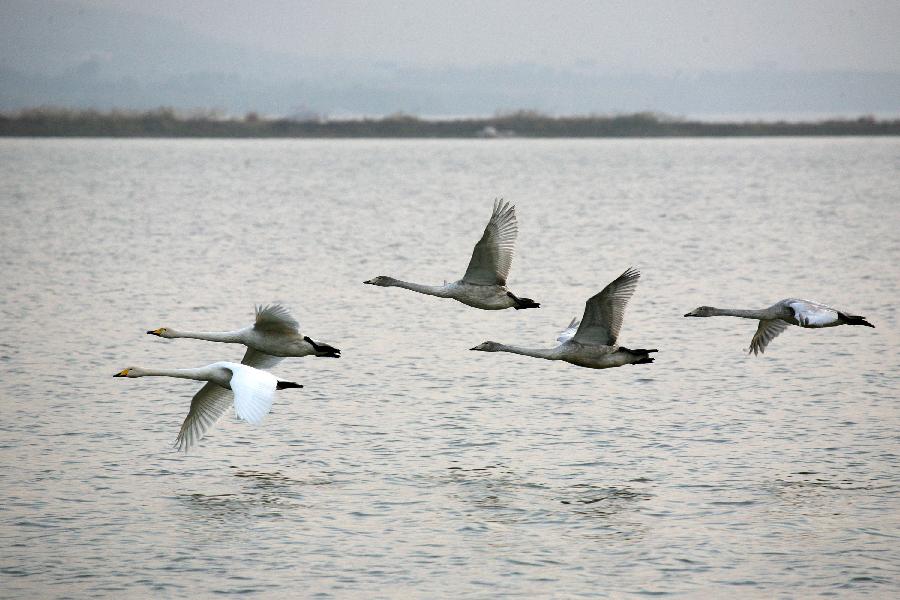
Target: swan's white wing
[
  {"x": 254, "y": 391},
  {"x": 260, "y": 360},
  {"x": 493, "y": 254},
  {"x": 207, "y": 406},
  {"x": 569, "y": 332},
  {"x": 603, "y": 313},
  {"x": 812, "y": 314},
  {"x": 765, "y": 333},
  {"x": 275, "y": 318}
]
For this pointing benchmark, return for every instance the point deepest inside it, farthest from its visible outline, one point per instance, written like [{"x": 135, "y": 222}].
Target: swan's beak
[
  {"x": 369, "y": 282},
  {"x": 122, "y": 373},
  {"x": 690, "y": 314},
  {"x": 155, "y": 332}
]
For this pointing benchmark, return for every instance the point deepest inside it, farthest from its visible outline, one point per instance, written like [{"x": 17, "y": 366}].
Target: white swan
[
  {"x": 592, "y": 343},
  {"x": 274, "y": 335},
  {"x": 776, "y": 318},
  {"x": 249, "y": 389},
  {"x": 484, "y": 284}
]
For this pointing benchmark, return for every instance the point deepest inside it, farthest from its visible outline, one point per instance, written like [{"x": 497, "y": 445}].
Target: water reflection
[
  {"x": 265, "y": 494},
  {"x": 508, "y": 498}
]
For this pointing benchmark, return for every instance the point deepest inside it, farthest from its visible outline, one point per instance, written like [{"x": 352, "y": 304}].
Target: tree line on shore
[{"x": 166, "y": 122}]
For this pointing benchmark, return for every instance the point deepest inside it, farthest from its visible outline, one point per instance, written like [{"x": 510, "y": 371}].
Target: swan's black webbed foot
[
  {"x": 323, "y": 350},
  {"x": 854, "y": 320},
  {"x": 527, "y": 303},
  {"x": 283, "y": 385},
  {"x": 522, "y": 303}
]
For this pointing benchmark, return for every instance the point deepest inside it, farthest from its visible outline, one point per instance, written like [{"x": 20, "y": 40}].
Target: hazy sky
[
  {"x": 443, "y": 57},
  {"x": 648, "y": 35}
]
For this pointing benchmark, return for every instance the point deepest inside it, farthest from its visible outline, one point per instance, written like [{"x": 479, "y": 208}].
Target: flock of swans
[{"x": 590, "y": 342}]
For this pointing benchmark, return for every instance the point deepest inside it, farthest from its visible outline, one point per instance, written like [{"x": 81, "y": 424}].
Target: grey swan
[
  {"x": 777, "y": 318},
  {"x": 274, "y": 335},
  {"x": 592, "y": 342},
  {"x": 484, "y": 284}
]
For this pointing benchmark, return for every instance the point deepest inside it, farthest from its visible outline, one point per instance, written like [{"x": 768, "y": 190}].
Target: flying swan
[
  {"x": 592, "y": 343},
  {"x": 249, "y": 389},
  {"x": 484, "y": 284},
  {"x": 776, "y": 318},
  {"x": 274, "y": 335}
]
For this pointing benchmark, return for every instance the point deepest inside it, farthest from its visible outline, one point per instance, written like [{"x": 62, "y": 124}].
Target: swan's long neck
[
  {"x": 737, "y": 312},
  {"x": 440, "y": 291},
  {"x": 546, "y": 353},
  {"x": 197, "y": 374},
  {"x": 229, "y": 337}
]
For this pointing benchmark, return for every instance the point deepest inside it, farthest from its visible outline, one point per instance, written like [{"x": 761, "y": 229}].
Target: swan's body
[
  {"x": 484, "y": 284},
  {"x": 776, "y": 318},
  {"x": 591, "y": 342},
  {"x": 275, "y": 334},
  {"x": 249, "y": 389}
]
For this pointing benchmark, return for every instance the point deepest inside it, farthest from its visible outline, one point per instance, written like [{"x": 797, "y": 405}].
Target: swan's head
[
  {"x": 163, "y": 332},
  {"x": 703, "y": 311},
  {"x": 487, "y": 347},
  {"x": 382, "y": 280},
  {"x": 130, "y": 372}
]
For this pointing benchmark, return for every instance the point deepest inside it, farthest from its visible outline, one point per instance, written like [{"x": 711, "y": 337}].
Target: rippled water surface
[{"x": 411, "y": 466}]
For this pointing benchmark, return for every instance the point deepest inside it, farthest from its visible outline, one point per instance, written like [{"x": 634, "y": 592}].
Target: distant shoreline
[{"x": 166, "y": 123}]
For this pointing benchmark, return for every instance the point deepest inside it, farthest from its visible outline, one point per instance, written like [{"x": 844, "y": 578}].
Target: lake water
[{"x": 412, "y": 467}]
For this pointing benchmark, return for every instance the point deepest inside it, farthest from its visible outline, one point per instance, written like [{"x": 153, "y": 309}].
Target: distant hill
[{"x": 166, "y": 123}]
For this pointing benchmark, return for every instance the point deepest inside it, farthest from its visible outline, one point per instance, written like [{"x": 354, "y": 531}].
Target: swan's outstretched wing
[
  {"x": 275, "y": 318},
  {"x": 260, "y": 360},
  {"x": 254, "y": 391},
  {"x": 493, "y": 254},
  {"x": 569, "y": 332},
  {"x": 603, "y": 313},
  {"x": 207, "y": 406},
  {"x": 812, "y": 314},
  {"x": 765, "y": 333}
]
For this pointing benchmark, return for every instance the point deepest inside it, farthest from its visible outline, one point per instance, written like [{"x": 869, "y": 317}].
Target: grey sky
[{"x": 650, "y": 35}]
